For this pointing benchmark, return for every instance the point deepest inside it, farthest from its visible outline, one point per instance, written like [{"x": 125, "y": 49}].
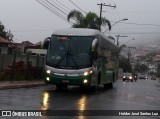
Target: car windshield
[
  {"x": 70, "y": 52},
  {"x": 128, "y": 74}
]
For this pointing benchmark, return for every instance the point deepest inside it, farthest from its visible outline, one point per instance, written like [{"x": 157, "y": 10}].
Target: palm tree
[{"x": 91, "y": 20}]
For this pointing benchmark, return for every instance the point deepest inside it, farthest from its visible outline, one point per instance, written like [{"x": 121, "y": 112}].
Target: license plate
[{"x": 65, "y": 81}]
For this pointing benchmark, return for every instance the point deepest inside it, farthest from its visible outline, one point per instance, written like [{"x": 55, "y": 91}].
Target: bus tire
[
  {"x": 99, "y": 78},
  {"x": 110, "y": 85},
  {"x": 105, "y": 86}
]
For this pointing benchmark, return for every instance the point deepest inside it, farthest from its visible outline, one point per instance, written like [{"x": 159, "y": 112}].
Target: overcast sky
[{"x": 29, "y": 20}]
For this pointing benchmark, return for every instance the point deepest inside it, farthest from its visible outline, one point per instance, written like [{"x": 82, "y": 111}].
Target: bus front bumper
[{"x": 68, "y": 80}]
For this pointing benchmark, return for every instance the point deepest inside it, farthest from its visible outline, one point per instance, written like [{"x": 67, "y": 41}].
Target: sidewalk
[{"x": 20, "y": 84}]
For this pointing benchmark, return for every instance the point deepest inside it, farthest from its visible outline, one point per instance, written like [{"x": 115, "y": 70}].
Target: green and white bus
[{"x": 79, "y": 56}]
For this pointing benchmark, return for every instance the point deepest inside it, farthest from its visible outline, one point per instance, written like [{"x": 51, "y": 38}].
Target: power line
[
  {"x": 117, "y": 11},
  {"x": 66, "y": 14},
  {"x": 63, "y": 5},
  {"x": 77, "y": 6},
  {"x": 147, "y": 33},
  {"x": 60, "y": 6},
  {"x": 139, "y": 24},
  {"x": 101, "y": 5},
  {"x": 56, "y": 7},
  {"x": 152, "y": 12},
  {"x": 48, "y": 7},
  {"x": 53, "y": 11}
]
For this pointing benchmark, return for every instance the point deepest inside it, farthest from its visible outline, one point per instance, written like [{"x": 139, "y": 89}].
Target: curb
[{"x": 12, "y": 86}]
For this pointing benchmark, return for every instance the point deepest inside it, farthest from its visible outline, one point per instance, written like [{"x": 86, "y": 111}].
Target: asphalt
[
  {"x": 25, "y": 84},
  {"x": 20, "y": 84}
]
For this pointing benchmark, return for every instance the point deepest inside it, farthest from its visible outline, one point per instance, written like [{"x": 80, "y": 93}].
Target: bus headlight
[
  {"x": 87, "y": 72},
  {"x": 47, "y": 78},
  {"x": 48, "y": 71},
  {"x": 85, "y": 81}
]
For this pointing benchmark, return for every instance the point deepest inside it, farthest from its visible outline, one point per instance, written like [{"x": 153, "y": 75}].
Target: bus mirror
[
  {"x": 94, "y": 45},
  {"x": 46, "y": 42}
]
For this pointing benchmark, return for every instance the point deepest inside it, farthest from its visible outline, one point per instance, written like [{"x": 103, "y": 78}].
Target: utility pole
[
  {"x": 118, "y": 38},
  {"x": 101, "y": 5},
  {"x": 129, "y": 54}
]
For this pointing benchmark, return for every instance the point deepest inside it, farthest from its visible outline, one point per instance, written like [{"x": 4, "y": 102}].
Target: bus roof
[
  {"x": 77, "y": 32},
  {"x": 82, "y": 32}
]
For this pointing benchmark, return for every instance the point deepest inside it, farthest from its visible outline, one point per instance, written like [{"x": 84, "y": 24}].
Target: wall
[
  {"x": 4, "y": 49},
  {"x": 6, "y": 60}
]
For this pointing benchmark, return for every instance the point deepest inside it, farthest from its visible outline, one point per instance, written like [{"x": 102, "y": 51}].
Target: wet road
[{"x": 140, "y": 95}]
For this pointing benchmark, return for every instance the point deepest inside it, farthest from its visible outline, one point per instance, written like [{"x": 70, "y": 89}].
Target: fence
[
  {"x": 28, "y": 65},
  {"x": 7, "y": 59}
]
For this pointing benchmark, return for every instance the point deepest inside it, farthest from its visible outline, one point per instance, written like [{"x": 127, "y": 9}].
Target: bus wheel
[
  {"x": 105, "y": 86},
  {"x": 110, "y": 85}
]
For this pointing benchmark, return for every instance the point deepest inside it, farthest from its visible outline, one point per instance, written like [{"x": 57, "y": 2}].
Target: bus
[{"x": 82, "y": 57}]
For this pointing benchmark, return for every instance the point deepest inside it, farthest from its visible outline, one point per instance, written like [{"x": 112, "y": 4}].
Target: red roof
[{"x": 3, "y": 40}]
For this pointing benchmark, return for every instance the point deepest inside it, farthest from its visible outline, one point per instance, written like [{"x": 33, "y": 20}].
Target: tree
[
  {"x": 91, "y": 20},
  {"x": 123, "y": 63},
  {"x": 5, "y": 34},
  {"x": 143, "y": 68}
]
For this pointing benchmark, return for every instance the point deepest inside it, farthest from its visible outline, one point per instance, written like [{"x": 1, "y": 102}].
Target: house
[
  {"x": 36, "y": 49},
  {"x": 24, "y": 46},
  {"x": 5, "y": 46},
  {"x": 152, "y": 67}
]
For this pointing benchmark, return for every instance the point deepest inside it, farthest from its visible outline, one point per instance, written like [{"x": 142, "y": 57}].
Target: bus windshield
[{"x": 70, "y": 52}]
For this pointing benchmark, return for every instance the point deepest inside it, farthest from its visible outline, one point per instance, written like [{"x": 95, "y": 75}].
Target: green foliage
[
  {"x": 143, "y": 68},
  {"x": 91, "y": 20},
  {"x": 123, "y": 63},
  {"x": 5, "y": 34}
]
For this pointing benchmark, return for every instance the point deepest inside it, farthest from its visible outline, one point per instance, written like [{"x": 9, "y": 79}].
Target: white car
[
  {"x": 143, "y": 76},
  {"x": 128, "y": 76}
]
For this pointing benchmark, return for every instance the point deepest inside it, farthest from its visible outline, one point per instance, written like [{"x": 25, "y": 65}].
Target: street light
[{"x": 125, "y": 19}]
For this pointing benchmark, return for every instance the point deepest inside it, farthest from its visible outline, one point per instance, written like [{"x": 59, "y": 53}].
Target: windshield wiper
[
  {"x": 69, "y": 54},
  {"x": 56, "y": 65},
  {"x": 74, "y": 60}
]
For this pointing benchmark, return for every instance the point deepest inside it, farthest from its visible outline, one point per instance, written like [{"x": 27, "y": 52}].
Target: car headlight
[
  {"x": 124, "y": 77},
  {"x": 48, "y": 71},
  {"x": 130, "y": 77}
]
